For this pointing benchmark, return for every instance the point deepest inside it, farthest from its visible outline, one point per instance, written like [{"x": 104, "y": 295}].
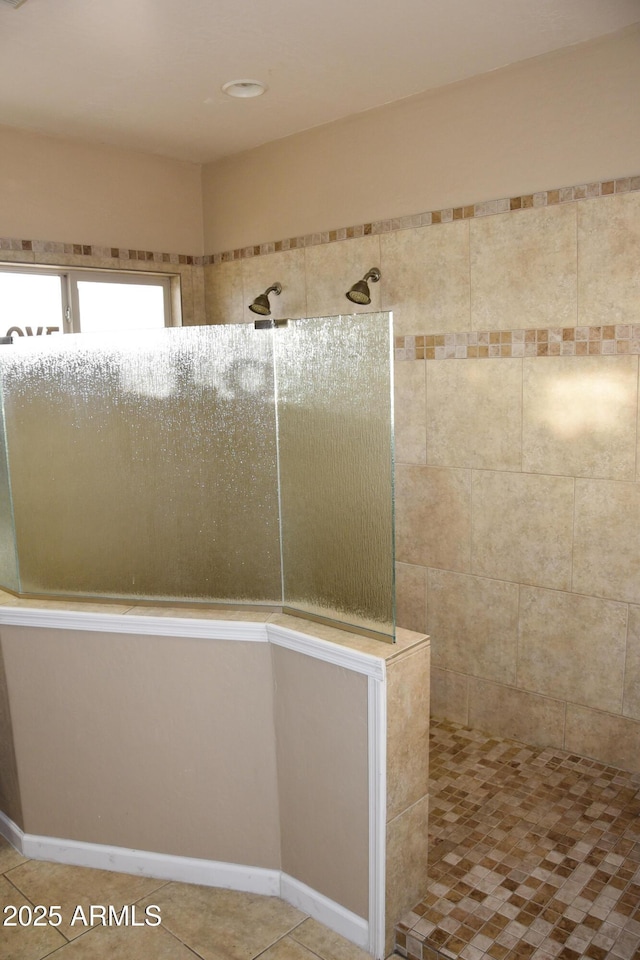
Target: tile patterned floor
[
  {"x": 197, "y": 922},
  {"x": 535, "y": 855}
]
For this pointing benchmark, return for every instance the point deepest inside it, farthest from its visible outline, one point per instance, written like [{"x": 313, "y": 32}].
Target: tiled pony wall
[{"x": 517, "y": 328}]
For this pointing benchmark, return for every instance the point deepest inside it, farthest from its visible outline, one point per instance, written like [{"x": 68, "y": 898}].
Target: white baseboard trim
[
  {"x": 325, "y": 911},
  {"x": 11, "y": 832},
  {"x": 210, "y": 873}
]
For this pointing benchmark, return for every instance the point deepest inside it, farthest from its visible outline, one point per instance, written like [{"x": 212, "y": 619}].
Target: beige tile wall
[
  {"x": 518, "y": 467},
  {"x": 523, "y": 269},
  {"x": 408, "y": 683},
  {"x": 608, "y": 275},
  {"x": 538, "y": 637}
]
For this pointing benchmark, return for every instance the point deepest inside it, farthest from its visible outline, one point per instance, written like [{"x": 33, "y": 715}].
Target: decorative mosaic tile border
[
  {"x": 91, "y": 250},
  {"x": 615, "y": 340},
  {"x": 544, "y": 198}
]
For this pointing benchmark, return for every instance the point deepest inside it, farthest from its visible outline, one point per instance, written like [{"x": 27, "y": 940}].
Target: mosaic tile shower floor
[{"x": 535, "y": 855}]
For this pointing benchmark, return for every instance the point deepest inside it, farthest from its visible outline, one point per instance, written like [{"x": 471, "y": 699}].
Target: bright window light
[{"x": 120, "y": 307}]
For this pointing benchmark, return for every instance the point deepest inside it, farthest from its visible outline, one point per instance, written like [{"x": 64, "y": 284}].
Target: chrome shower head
[
  {"x": 359, "y": 292},
  {"x": 261, "y": 303}
]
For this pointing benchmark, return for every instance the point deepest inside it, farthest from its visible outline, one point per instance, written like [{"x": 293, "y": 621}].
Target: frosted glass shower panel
[
  {"x": 334, "y": 391},
  {"x": 8, "y": 558},
  {"x": 145, "y": 466}
]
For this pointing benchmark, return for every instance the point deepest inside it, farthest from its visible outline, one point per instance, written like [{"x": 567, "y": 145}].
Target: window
[
  {"x": 43, "y": 302},
  {"x": 119, "y": 302},
  {"x": 30, "y": 304}
]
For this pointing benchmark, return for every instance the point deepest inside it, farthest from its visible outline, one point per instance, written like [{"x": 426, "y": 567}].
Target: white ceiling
[{"x": 146, "y": 74}]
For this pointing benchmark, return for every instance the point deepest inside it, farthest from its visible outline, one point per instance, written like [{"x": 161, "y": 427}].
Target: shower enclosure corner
[{"x": 213, "y": 465}]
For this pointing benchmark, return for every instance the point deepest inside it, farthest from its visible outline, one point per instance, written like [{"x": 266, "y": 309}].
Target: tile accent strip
[
  {"x": 543, "y": 198},
  {"x": 543, "y": 342},
  {"x": 92, "y": 250}
]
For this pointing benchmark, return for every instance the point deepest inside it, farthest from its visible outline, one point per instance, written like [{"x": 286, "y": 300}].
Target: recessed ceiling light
[{"x": 244, "y": 88}]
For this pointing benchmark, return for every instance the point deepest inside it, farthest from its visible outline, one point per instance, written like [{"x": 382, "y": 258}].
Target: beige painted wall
[
  {"x": 322, "y": 776},
  {"x": 220, "y": 750},
  {"x": 565, "y": 118},
  {"x": 123, "y": 740},
  {"x": 58, "y": 190},
  {"x": 9, "y": 786}
]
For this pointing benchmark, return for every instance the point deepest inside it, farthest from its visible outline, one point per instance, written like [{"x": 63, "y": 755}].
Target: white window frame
[
  {"x": 74, "y": 322},
  {"x": 70, "y": 321}
]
